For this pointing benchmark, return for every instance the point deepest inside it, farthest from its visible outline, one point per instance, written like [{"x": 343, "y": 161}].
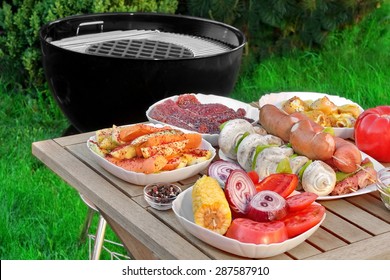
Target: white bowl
[
  {"x": 182, "y": 207},
  {"x": 251, "y": 112},
  {"x": 278, "y": 99},
  {"x": 164, "y": 176}
]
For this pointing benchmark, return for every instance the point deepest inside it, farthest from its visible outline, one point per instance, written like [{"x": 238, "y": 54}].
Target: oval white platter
[{"x": 144, "y": 179}]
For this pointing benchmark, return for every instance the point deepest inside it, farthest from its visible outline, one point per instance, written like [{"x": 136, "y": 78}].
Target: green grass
[
  {"x": 41, "y": 216},
  {"x": 354, "y": 64}
]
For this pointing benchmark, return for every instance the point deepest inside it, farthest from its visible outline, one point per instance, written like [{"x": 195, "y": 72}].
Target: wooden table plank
[
  {"x": 325, "y": 241},
  {"x": 74, "y": 139},
  {"x": 303, "y": 250},
  {"x": 343, "y": 229},
  {"x": 357, "y": 216},
  {"x": 372, "y": 204},
  {"x": 376, "y": 247}
]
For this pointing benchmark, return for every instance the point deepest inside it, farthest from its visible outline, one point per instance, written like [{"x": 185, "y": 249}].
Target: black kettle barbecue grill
[{"x": 106, "y": 69}]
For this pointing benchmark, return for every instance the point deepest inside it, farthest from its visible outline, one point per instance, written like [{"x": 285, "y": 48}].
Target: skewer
[{"x": 361, "y": 168}]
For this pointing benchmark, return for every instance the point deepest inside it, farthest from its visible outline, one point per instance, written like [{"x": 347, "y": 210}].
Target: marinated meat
[
  {"x": 215, "y": 112},
  {"x": 359, "y": 180},
  {"x": 346, "y": 186},
  {"x": 366, "y": 177},
  {"x": 169, "y": 112},
  {"x": 185, "y": 99},
  {"x": 188, "y": 113}
]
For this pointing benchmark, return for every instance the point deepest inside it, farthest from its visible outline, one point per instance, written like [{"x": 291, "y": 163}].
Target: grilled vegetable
[
  {"x": 124, "y": 152},
  {"x": 166, "y": 149},
  {"x": 267, "y": 206},
  {"x": 210, "y": 207},
  {"x": 239, "y": 190},
  {"x": 220, "y": 170},
  {"x": 142, "y": 165}
]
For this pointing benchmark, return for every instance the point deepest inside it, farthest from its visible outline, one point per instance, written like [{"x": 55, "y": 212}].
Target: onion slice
[
  {"x": 221, "y": 169},
  {"x": 267, "y": 206},
  {"x": 239, "y": 191}
]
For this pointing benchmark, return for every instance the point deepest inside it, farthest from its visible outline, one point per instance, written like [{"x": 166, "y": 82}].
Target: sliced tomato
[
  {"x": 249, "y": 231},
  {"x": 254, "y": 176},
  {"x": 281, "y": 183},
  {"x": 298, "y": 222},
  {"x": 300, "y": 201}
]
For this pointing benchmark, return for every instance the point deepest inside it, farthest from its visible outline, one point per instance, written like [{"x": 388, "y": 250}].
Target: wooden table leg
[{"x": 135, "y": 249}]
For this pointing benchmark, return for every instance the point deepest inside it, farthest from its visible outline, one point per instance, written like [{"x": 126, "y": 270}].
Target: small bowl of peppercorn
[{"x": 161, "y": 195}]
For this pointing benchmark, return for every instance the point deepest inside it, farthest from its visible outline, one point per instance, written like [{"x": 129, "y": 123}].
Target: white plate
[
  {"x": 370, "y": 188},
  {"x": 164, "y": 176},
  {"x": 278, "y": 99},
  {"x": 251, "y": 112},
  {"x": 182, "y": 207}
]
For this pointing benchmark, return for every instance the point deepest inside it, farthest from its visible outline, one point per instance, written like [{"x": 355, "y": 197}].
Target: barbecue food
[
  {"x": 232, "y": 134},
  {"x": 359, "y": 179},
  {"x": 188, "y": 113},
  {"x": 247, "y": 149},
  {"x": 267, "y": 161},
  {"x": 210, "y": 206},
  {"x": 149, "y": 149},
  {"x": 323, "y": 111},
  {"x": 318, "y": 178},
  {"x": 306, "y": 140},
  {"x": 309, "y": 138},
  {"x": 315, "y": 175}
]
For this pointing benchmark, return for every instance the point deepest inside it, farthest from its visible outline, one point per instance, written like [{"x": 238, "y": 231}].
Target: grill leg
[{"x": 99, "y": 238}]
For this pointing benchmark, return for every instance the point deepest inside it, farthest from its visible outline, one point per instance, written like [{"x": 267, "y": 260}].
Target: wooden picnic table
[{"x": 355, "y": 228}]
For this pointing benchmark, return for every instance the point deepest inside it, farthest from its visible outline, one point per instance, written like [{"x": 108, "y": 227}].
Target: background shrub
[
  {"x": 279, "y": 26},
  {"x": 20, "y": 21}
]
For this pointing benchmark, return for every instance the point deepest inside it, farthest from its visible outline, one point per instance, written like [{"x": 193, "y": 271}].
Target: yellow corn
[{"x": 210, "y": 207}]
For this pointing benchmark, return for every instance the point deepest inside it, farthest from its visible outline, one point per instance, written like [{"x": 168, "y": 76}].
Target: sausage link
[
  {"x": 306, "y": 140},
  {"x": 277, "y": 122},
  {"x": 347, "y": 156}
]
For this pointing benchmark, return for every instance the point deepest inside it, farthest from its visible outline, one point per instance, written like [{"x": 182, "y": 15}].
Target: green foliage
[
  {"x": 20, "y": 21},
  {"x": 279, "y": 26}
]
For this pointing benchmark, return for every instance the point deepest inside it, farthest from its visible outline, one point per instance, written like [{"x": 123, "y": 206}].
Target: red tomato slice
[
  {"x": 281, "y": 183},
  {"x": 303, "y": 220},
  {"x": 254, "y": 176},
  {"x": 248, "y": 231},
  {"x": 300, "y": 201}
]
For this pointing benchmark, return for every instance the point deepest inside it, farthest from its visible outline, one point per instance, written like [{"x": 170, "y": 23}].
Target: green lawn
[{"x": 41, "y": 216}]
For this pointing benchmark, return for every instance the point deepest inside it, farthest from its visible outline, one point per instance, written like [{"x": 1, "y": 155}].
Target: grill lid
[{"x": 143, "y": 44}]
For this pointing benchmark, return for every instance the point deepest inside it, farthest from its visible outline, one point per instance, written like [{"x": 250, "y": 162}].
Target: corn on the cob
[{"x": 210, "y": 207}]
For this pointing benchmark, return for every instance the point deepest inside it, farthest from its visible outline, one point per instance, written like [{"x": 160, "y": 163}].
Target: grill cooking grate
[
  {"x": 144, "y": 49},
  {"x": 143, "y": 44}
]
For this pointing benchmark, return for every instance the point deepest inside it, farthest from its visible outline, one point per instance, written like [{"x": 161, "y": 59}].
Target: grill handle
[{"x": 84, "y": 24}]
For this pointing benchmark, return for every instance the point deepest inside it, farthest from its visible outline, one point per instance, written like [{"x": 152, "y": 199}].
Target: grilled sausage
[
  {"x": 307, "y": 140},
  {"x": 347, "y": 156},
  {"x": 277, "y": 122}
]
